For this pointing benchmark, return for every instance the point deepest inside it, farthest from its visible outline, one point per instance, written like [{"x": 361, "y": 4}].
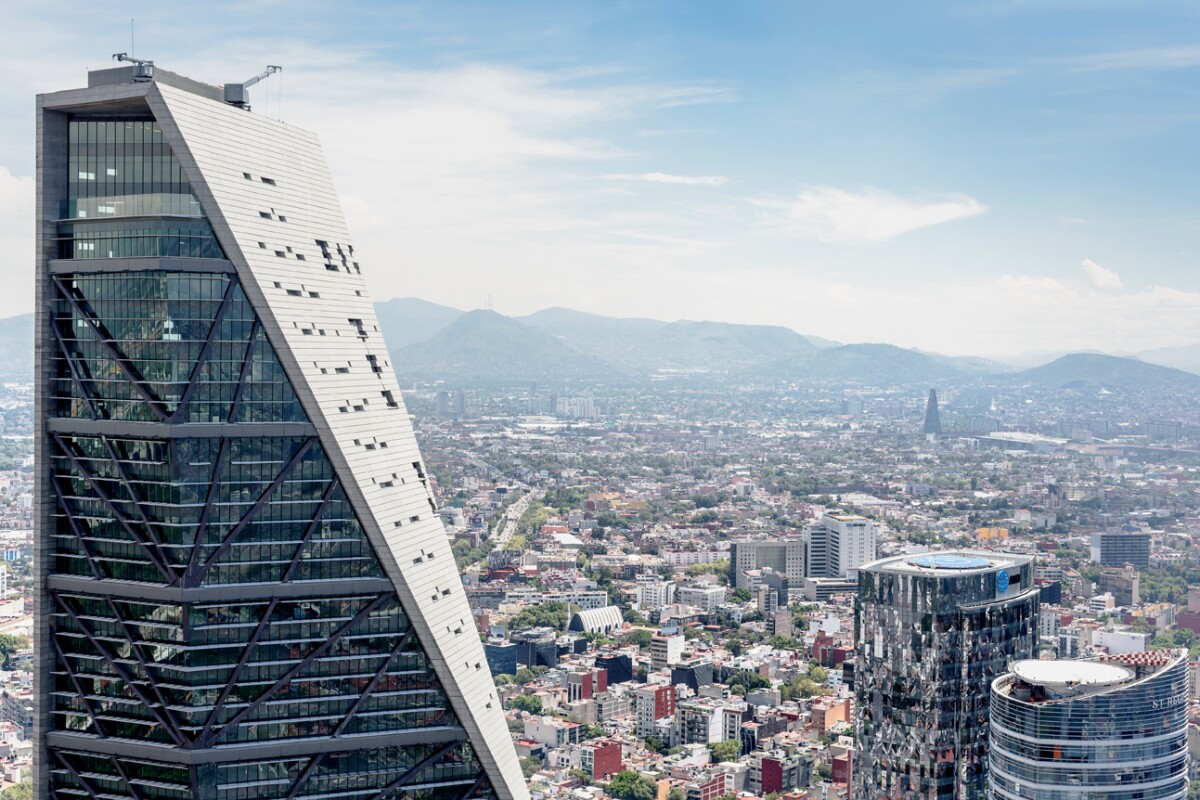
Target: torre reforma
[{"x": 245, "y": 589}]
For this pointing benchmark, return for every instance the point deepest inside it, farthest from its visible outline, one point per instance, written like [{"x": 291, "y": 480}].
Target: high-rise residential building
[
  {"x": 1118, "y": 548},
  {"x": 245, "y": 587},
  {"x": 1110, "y": 728},
  {"x": 839, "y": 544},
  {"x": 785, "y": 556},
  {"x": 933, "y": 419},
  {"x": 932, "y": 631},
  {"x": 1124, "y": 583},
  {"x": 653, "y": 702}
]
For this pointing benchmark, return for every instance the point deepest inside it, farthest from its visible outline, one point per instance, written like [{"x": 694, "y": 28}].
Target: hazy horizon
[{"x": 986, "y": 180}]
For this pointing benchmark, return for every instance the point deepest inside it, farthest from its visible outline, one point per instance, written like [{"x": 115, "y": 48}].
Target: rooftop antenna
[
  {"x": 143, "y": 70},
  {"x": 235, "y": 93}
]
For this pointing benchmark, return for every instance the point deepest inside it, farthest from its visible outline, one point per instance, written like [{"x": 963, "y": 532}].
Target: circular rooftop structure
[
  {"x": 1071, "y": 674},
  {"x": 949, "y": 561}
]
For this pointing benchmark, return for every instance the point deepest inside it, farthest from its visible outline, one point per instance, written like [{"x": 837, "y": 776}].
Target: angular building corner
[{"x": 245, "y": 588}]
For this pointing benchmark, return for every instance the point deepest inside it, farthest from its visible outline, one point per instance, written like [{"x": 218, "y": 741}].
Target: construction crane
[
  {"x": 143, "y": 70},
  {"x": 235, "y": 93}
]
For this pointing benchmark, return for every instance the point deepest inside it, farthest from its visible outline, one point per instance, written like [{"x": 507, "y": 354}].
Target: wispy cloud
[
  {"x": 837, "y": 216},
  {"x": 665, "y": 177},
  {"x": 1154, "y": 58},
  {"x": 1101, "y": 277}
]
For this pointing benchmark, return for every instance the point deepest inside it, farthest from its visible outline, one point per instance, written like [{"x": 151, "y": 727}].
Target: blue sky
[{"x": 984, "y": 178}]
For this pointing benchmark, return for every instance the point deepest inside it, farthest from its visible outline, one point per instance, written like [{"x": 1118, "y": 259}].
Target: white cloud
[
  {"x": 16, "y": 239},
  {"x": 1100, "y": 277},
  {"x": 664, "y": 177},
  {"x": 838, "y": 216},
  {"x": 1153, "y": 58}
]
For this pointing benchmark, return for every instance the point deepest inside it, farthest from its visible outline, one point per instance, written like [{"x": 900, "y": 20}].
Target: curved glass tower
[
  {"x": 245, "y": 589},
  {"x": 1112, "y": 728},
  {"x": 932, "y": 632}
]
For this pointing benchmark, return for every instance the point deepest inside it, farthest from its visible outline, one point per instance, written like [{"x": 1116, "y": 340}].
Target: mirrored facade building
[
  {"x": 1109, "y": 728},
  {"x": 245, "y": 590},
  {"x": 932, "y": 633}
]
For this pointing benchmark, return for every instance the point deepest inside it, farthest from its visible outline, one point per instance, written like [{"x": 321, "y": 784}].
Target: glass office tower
[
  {"x": 245, "y": 588},
  {"x": 1109, "y": 728},
  {"x": 932, "y": 633}
]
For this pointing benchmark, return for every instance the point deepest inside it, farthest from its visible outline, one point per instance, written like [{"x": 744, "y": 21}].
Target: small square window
[
  {"x": 282, "y": 218},
  {"x": 264, "y": 214},
  {"x": 247, "y": 176},
  {"x": 267, "y": 181},
  {"x": 300, "y": 257},
  {"x": 263, "y": 245}
]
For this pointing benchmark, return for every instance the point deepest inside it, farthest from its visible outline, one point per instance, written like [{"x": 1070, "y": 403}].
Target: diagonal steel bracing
[
  {"x": 129, "y": 370},
  {"x": 180, "y": 413},
  {"x": 474, "y": 787},
  {"x": 122, "y": 673},
  {"x": 197, "y": 575},
  {"x": 137, "y": 654},
  {"x": 73, "y": 367},
  {"x": 219, "y": 706},
  {"x": 206, "y": 513},
  {"x": 83, "y": 698},
  {"x": 73, "y": 524},
  {"x": 152, "y": 552},
  {"x": 127, "y": 485},
  {"x": 362, "y": 698},
  {"x": 82, "y": 781},
  {"x": 410, "y": 775},
  {"x": 209, "y": 738},
  {"x": 326, "y": 497},
  {"x": 255, "y": 327},
  {"x": 116, "y": 762}
]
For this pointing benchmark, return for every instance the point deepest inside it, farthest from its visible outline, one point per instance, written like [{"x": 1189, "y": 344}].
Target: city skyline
[
  {"x": 243, "y": 574},
  {"x": 880, "y": 179}
]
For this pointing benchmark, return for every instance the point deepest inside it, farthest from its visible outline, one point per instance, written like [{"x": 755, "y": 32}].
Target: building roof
[
  {"x": 947, "y": 563},
  {"x": 596, "y": 620}
]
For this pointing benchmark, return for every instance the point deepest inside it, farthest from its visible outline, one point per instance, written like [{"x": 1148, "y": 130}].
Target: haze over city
[
  {"x": 974, "y": 179},
  {"x": 600, "y": 401}
]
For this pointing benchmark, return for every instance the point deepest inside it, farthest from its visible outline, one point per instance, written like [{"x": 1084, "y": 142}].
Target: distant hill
[
  {"x": 879, "y": 364},
  {"x": 645, "y": 346},
  {"x": 1185, "y": 358},
  {"x": 486, "y": 347},
  {"x": 16, "y": 348},
  {"x": 1085, "y": 370},
  {"x": 407, "y": 320}
]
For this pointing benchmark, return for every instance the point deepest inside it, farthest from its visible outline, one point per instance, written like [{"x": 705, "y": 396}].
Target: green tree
[
  {"x": 18, "y": 791},
  {"x": 655, "y": 744},
  {"x": 741, "y": 594},
  {"x": 546, "y": 615},
  {"x": 9, "y": 645},
  {"x": 525, "y": 702},
  {"x": 530, "y": 766},
  {"x": 504, "y": 679},
  {"x": 629, "y": 785},
  {"x": 728, "y": 750},
  {"x": 640, "y": 636}
]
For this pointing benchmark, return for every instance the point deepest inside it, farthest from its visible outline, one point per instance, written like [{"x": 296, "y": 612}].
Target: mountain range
[{"x": 431, "y": 342}]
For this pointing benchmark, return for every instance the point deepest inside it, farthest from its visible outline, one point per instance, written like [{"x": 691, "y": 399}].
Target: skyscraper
[
  {"x": 933, "y": 420},
  {"x": 1109, "y": 728},
  {"x": 838, "y": 545},
  {"x": 245, "y": 590},
  {"x": 932, "y": 631}
]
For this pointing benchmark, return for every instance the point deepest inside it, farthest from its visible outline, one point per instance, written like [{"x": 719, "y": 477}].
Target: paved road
[{"x": 512, "y": 515}]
